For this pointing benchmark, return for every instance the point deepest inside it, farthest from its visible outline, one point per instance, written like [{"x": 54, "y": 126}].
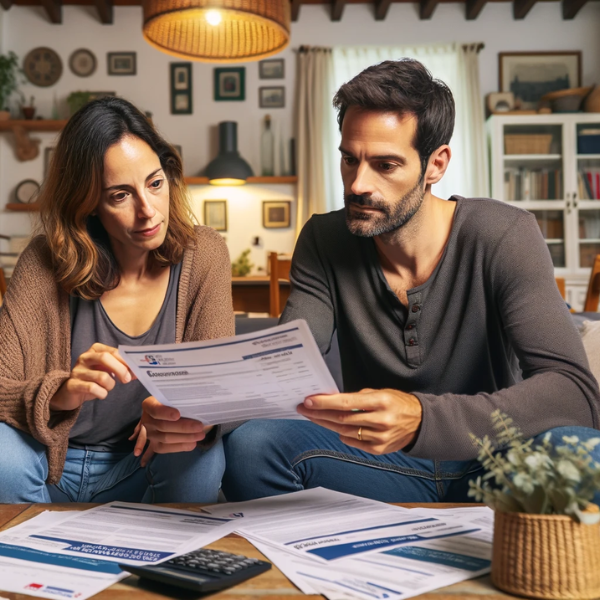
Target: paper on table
[
  {"x": 260, "y": 375},
  {"x": 122, "y": 532}
]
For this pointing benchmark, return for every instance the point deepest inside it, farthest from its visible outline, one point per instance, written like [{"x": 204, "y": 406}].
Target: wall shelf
[
  {"x": 283, "y": 179},
  {"x": 25, "y": 147}
]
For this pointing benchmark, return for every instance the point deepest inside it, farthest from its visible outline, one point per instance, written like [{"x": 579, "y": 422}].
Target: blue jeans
[
  {"x": 91, "y": 476},
  {"x": 266, "y": 458}
]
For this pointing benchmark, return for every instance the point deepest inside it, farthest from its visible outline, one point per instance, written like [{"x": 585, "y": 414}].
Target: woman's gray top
[{"x": 105, "y": 425}]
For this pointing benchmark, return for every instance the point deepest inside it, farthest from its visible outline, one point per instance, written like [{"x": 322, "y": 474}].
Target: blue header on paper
[{"x": 441, "y": 557}]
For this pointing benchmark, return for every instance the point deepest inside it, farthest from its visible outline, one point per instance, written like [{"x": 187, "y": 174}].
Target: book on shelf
[{"x": 522, "y": 184}]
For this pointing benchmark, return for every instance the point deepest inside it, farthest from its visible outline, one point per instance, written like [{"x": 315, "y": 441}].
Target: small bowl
[{"x": 566, "y": 101}]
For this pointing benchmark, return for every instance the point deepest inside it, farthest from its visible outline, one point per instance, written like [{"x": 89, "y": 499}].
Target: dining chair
[
  {"x": 593, "y": 291},
  {"x": 279, "y": 266}
]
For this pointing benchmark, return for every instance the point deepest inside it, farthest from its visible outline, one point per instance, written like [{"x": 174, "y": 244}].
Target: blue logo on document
[
  {"x": 235, "y": 515},
  {"x": 151, "y": 360}
]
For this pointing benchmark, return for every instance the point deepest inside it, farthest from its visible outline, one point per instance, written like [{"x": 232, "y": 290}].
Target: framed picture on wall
[
  {"x": 531, "y": 75},
  {"x": 276, "y": 214},
  {"x": 271, "y": 69},
  {"x": 181, "y": 88},
  {"x": 230, "y": 83},
  {"x": 121, "y": 63},
  {"x": 271, "y": 97},
  {"x": 215, "y": 214}
]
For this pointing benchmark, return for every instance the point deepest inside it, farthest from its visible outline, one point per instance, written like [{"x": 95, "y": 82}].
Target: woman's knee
[{"x": 23, "y": 467}]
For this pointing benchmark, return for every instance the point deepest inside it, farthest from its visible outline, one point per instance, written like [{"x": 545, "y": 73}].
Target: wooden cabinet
[{"x": 550, "y": 166}]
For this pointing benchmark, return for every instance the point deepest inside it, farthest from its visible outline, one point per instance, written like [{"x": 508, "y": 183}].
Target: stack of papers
[
  {"x": 74, "y": 554},
  {"x": 343, "y": 547}
]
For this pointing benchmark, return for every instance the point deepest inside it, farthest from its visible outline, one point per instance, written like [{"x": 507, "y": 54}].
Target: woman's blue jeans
[
  {"x": 266, "y": 458},
  {"x": 91, "y": 476}
]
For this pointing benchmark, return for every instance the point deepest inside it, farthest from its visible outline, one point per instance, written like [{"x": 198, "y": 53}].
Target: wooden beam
[
  {"x": 522, "y": 7},
  {"x": 571, "y": 7},
  {"x": 105, "y": 11},
  {"x": 295, "y": 9},
  {"x": 474, "y": 7},
  {"x": 6, "y": 4},
  {"x": 54, "y": 10},
  {"x": 337, "y": 8},
  {"x": 381, "y": 9},
  {"x": 427, "y": 7}
]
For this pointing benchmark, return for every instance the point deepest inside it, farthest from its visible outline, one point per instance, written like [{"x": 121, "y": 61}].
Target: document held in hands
[{"x": 260, "y": 375}]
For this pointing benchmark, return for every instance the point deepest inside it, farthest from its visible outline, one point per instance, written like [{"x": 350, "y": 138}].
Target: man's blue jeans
[
  {"x": 266, "y": 458},
  {"x": 91, "y": 476}
]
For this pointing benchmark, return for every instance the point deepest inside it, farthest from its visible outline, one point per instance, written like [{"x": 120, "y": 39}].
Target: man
[{"x": 444, "y": 311}]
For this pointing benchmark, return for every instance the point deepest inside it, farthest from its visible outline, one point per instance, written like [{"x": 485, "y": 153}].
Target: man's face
[{"x": 381, "y": 171}]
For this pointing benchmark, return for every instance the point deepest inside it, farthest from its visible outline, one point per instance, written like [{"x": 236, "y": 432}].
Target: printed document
[
  {"x": 121, "y": 532},
  {"x": 260, "y": 375}
]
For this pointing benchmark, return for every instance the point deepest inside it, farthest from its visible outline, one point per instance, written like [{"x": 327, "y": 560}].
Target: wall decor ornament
[
  {"x": 26, "y": 191},
  {"x": 42, "y": 66},
  {"x": 215, "y": 214},
  {"x": 230, "y": 83},
  {"x": 225, "y": 31},
  {"x": 531, "y": 75},
  {"x": 276, "y": 214},
  {"x": 271, "y": 97},
  {"x": 181, "y": 88},
  {"x": 83, "y": 62},
  {"x": 121, "y": 63},
  {"x": 271, "y": 69}
]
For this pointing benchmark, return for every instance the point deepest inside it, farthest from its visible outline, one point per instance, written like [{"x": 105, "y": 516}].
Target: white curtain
[
  {"x": 315, "y": 128},
  {"x": 458, "y": 67}
]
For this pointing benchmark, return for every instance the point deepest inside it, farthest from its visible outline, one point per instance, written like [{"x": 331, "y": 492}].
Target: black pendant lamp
[{"x": 229, "y": 168}]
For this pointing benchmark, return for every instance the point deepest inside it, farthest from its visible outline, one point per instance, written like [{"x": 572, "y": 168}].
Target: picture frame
[
  {"x": 273, "y": 68},
  {"x": 82, "y": 62},
  {"x": 121, "y": 63},
  {"x": 531, "y": 75},
  {"x": 271, "y": 97},
  {"x": 181, "y": 88},
  {"x": 276, "y": 214},
  {"x": 230, "y": 84},
  {"x": 215, "y": 214},
  {"x": 47, "y": 158}
]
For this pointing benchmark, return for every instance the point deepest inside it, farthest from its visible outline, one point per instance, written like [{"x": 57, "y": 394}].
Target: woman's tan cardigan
[{"x": 35, "y": 334}]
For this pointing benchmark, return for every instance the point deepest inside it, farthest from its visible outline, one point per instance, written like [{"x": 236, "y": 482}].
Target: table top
[{"x": 272, "y": 585}]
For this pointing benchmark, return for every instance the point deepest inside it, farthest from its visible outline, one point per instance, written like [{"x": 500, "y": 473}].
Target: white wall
[{"x": 24, "y": 28}]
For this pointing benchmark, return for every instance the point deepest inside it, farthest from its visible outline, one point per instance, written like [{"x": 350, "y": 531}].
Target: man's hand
[
  {"x": 376, "y": 421},
  {"x": 167, "y": 431}
]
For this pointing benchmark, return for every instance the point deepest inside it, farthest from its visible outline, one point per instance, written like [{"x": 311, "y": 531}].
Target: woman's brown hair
[{"x": 83, "y": 261}]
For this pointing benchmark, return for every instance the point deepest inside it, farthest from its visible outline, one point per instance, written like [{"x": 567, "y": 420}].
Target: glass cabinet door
[
  {"x": 589, "y": 236},
  {"x": 552, "y": 225}
]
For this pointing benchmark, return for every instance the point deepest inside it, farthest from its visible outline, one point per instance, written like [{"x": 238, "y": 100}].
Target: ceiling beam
[
  {"x": 337, "y": 8},
  {"x": 54, "y": 10},
  {"x": 105, "y": 11},
  {"x": 571, "y": 7},
  {"x": 381, "y": 9},
  {"x": 427, "y": 7},
  {"x": 6, "y": 4},
  {"x": 522, "y": 7},
  {"x": 474, "y": 7},
  {"x": 295, "y": 9}
]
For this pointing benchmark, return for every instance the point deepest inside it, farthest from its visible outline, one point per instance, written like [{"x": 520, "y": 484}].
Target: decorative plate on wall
[
  {"x": 43, "y": 67},
  {"x": 27, "y": 191},
  {"x": 82, "y": 62}
]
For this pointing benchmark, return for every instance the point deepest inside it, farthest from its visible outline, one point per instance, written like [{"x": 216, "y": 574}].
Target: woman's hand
[
  {"x": 93, "y": 376},
  {"x": 167, "y": 431},
  {"x": 376, "y": 421}
]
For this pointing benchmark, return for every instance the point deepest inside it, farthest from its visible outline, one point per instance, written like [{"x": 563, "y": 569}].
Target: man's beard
[{"x": 391, "y": 217}]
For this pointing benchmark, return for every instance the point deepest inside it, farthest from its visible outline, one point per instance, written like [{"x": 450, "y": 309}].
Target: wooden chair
[
  {"x": 560, "y": 282},
  {"x": 280, "y": 270},
  {"x": 593, "y": 292}
]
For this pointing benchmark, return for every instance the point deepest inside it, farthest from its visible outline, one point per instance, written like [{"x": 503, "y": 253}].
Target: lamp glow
[{"x": 213, "y": 17}]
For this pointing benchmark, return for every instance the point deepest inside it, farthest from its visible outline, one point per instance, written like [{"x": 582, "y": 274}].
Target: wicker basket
[
  {"x": 521, "y": 143},
  {"x": 546, "y": 556}
]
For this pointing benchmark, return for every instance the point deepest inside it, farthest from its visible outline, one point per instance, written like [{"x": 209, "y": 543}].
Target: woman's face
[{"x": 134, "y": 205}]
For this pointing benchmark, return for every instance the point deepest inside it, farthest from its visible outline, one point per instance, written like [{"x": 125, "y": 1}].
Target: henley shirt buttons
[
  {"x": 412, "y": 342},
  {"x": 415, "y": 308},
  {"x": 409, "y": 326}
]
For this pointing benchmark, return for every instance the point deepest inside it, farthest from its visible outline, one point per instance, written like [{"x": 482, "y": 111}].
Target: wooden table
[
  {"x": 272, "y": 585},
  {"x": 251, "y": 293}
]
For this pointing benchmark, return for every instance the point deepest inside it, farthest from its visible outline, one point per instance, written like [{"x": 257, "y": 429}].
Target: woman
[{"x": 119, "y": 262}]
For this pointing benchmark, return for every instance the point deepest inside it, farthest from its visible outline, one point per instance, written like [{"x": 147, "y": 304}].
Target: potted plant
[
  {"x": 77, "y": 100},
  {"x": 242, "y": 266},
  {"x": 546, "y": 530},
  {"x": 9, "y": 69},
  {"x": 28, "y": 110}
]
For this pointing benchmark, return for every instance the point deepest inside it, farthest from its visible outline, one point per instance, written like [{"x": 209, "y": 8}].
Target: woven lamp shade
[{"x": 249, "y": 29}]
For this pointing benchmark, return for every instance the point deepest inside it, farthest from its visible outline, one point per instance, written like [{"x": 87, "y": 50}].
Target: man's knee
[{"x": 23, "y": 467}]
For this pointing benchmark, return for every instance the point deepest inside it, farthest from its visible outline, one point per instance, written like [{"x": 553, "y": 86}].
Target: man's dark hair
[{"x": 405, "y": 87}]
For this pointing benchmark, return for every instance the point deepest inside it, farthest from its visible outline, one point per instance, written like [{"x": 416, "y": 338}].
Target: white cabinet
[{"x": 550, "y": 165}]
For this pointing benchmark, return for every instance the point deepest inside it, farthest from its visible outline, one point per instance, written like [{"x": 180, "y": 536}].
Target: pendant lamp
[
  {"x": 217, "y": 30},
  {"x": 229, "y": 168}
]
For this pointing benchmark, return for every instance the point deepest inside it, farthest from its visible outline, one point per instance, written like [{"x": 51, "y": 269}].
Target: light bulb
[{"x": 213, "y": 17}]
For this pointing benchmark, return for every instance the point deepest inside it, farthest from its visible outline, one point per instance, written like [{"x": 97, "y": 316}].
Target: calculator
[{"x": 202, "y": 570}]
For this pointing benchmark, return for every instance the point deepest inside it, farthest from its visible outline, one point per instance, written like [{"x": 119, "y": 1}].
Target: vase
[{"x": 546, "y": 556}]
